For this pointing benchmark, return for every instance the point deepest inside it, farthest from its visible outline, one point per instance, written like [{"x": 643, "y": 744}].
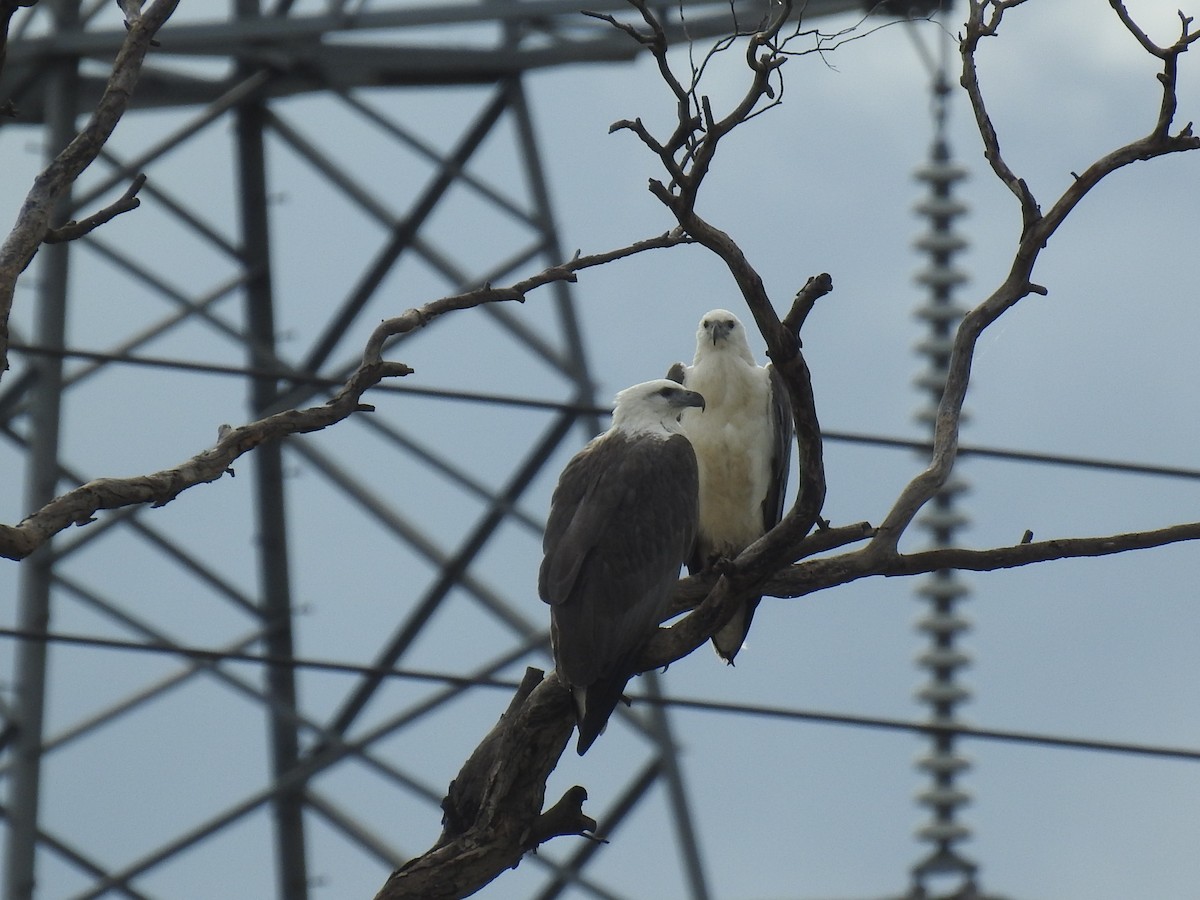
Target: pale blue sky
[{"x": 1105, "y": 366}]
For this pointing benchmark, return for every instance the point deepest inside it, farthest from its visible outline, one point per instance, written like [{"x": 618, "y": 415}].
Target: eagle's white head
[
  {"x": 653, "y": 407},
  {"x": 721, "y": 331}
]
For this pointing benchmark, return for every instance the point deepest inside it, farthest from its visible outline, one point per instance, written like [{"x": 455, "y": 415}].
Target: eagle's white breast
[{"x": 734, "y": 441}]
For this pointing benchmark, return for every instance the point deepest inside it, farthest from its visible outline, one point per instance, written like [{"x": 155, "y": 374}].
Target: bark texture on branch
[
  {"x": 33, "y": 224},
  {"x": 493, "y": 812}
]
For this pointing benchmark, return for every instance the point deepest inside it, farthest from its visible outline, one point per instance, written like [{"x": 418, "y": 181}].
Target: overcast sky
[{"x": 1103, "y": 367}]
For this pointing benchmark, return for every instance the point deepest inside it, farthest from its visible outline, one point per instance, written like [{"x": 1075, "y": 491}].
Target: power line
[
  {"x": 202, "y": 654},
  {"x": 848, "y": 437},
  {"x": 744, "y": 709},
  {"x": 298, "y": 377},
  {"x": 1082, "y": 462},
  {"x": 970, "y": 731}
]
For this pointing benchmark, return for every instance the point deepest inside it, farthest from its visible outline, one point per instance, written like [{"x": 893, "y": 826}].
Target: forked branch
[
  {"x": 74, "y": 230},
  {"x": 33, "y": 225},
  {"x": 1037, "y": 229},
  {"x": 686, "y": 172},
  {"x": 768, "y": 566}
]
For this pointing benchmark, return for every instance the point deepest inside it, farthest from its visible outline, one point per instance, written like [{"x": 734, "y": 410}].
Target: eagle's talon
[{"x": 723, "y": 565}]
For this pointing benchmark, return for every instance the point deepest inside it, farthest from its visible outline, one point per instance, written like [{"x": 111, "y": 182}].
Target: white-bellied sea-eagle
[
  {"x": 743, "y": 448},
  {"x": 622, "y": 522}
]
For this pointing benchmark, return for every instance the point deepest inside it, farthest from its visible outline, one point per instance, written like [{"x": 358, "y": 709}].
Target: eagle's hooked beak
[
  {"x": 690, "y": 398},
  {"x": 720, "y": 330}
]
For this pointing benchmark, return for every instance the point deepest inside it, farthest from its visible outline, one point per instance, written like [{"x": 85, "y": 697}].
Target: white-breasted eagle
[
  {"x": 743, "y": 447},
  {"x": 622, "y": 522}
]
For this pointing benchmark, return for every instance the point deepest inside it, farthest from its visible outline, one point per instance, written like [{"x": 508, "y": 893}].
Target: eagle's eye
[{"x": 666, "y": 392}]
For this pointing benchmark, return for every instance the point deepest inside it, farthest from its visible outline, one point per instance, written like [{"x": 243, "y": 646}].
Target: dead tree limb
[
  {"x": 770, "y": 565},
  {"x": 1037, "y": 229},
  {"x": 33, "y": 224},
  {"x": 508, "y": 777},
  {"x": 73, "y": 230},
  {"x": 79, "y": 506}
]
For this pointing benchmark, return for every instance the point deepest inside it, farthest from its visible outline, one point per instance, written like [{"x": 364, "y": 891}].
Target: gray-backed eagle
[
  {"x": 622, "y": 522},
  {"x": 743, "y": 448}
]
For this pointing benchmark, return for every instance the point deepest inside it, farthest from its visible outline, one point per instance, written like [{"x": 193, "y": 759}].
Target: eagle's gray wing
[{"x": 622, "y": 519}]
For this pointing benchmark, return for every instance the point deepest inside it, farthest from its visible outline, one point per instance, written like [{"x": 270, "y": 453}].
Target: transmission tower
[
  {"x": 945, "y": 872},
  {"x": 382, "y": 137},
  {"x": 944, "y": 589}
]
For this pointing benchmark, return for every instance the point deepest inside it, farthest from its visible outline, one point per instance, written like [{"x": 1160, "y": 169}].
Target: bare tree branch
[
  {"x": 813, "y": 576},
  {"x": 692, "y": 590},
  {"x": 505, "y": 799},
  {"x": 33, "y": 224},
  {"x": 79, "y": 506},
  {"x": 769, "y": 566},
  {"x": 980, "y": 26},
  {"x": 1025, "y": 553},
  {"x": 985, "y": 18},
  {"x": 509, "y": 785},
  {"x": 1186, "y": 35},
  {"x": 73, "y": 230},
  {"x": 806, "y": 298}
]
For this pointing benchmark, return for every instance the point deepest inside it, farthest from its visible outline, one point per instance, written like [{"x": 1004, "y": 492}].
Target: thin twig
[{"x": 72, "y": 230}]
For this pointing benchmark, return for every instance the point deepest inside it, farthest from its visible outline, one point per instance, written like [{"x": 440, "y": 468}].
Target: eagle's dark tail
[
  {"x": 729, "y": 639},
  {"x": 593, "y": 705}
]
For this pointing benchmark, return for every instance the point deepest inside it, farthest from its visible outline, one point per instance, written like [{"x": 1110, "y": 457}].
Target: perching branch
[
  {"x": 687, "y": 161},
  {"x": 704, "y": 592},
  {"x": 790, "y": 561},
  {"x": 816, "y": 575},
  {"x": 493, "y": 807},
  {"x": 508, "y": 784}
]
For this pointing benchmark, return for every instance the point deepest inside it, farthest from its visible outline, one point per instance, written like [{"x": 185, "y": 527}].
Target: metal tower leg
[
  {"x": 274, "y": 584},
  {"x": 278, "y": 56},
  {"x": 544, "y": 212},
  {"x": 37, "y": 575},
  {"x": 690, "y": 853}
]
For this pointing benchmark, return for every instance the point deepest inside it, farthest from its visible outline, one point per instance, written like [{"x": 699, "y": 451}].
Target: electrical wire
[
  {"x": 293, "y": 376},
  {"x": 743, "y": 709},
  {"x": 201, "y": 654},
  {"x": 331, "y": 666},
  {"x": 874, "y": 440}
]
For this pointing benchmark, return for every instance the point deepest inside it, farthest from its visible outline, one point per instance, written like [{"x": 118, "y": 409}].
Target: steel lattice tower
[
  {"x": 944, "y": 589},
  {"x": 386, "y": 117}
]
